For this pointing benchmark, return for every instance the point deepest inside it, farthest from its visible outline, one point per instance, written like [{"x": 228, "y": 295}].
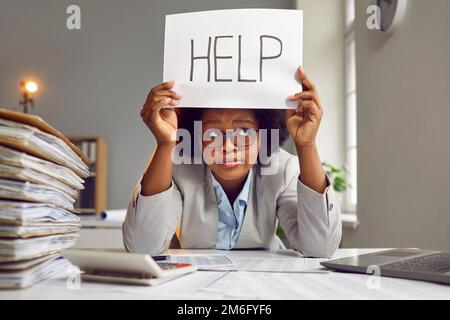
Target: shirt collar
[{"x": 243, "y": 195}]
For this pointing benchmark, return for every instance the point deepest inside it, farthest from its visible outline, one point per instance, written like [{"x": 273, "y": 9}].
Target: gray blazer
[{"x": 311, "y": 220}]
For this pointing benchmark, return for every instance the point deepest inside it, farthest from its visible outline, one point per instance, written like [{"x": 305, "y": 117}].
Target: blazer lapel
[
  {"x": 211, "y": 211},
  {"x": 199, "y": 228}
]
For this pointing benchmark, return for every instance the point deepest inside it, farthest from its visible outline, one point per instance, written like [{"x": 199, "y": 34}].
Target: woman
[{"x": 228, "y": 202}]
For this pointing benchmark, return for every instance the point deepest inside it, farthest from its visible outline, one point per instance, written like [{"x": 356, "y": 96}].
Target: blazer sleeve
[
  {"x": 311, "y": 221},
  {"x": 151, "y": 221}
]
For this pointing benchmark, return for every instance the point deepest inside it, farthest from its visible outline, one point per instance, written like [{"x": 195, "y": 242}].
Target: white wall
[
  {"x": 323, "y": 60},
  {"x": 94, "y": 81},
  {"x": 403, "y": 85}
]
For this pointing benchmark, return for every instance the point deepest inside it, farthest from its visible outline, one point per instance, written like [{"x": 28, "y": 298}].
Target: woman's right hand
[{"x": 162, "y": 122}]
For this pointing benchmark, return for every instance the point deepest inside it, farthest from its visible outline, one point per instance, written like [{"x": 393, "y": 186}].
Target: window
[{"x": 351, "y": 141}]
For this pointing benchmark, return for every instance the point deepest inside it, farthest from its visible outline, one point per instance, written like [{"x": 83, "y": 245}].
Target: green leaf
[
  {"x": 337, "y": 176},
  {"x": 280, "y": 233}
]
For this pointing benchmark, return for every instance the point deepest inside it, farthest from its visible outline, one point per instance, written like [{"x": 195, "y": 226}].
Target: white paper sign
[{"x": 245, "y": 58}]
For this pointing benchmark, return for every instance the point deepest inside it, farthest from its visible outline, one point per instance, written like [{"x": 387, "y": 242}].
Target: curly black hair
[{"x": 267, "y": 119}]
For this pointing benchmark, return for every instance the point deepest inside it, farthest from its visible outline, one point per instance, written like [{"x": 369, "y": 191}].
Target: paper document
[
  {"x": 26, "y": 213},
  {"x": 186, "y": 287},
  {"x": 28, "y": 277},
  {"x": 114, "y": 215},
  {"x": 25, "y": 174},
  {"x": 23, "y": 249},
  {"x": 16, "y": 158},
  {"x": 276, "y": 285},
  {"x": 30, "y": 231},
  {"x": 283, "y": 265},
  {"x": 28, "y": 191},
  {"x": 26, "y": 264},
  {"x": 41, "y": 144},
  {"x": 40, "y": 124},
  {"x": 203, "y": 262},
  {"x": 225, "y": 263},
  {"x": 243, "y": 58},
  {"x": 108, "y": 219}
]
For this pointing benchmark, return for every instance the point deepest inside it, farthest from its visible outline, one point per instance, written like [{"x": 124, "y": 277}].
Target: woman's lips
[{"x": 228, "y": 163}]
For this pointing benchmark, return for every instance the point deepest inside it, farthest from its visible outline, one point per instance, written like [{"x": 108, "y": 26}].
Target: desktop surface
[{"x": 243, "y": 284}]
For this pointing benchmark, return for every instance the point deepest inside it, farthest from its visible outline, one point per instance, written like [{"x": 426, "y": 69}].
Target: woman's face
[{"x": 230, "y": 142}]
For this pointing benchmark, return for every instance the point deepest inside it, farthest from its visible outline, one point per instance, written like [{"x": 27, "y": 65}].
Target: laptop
[
  {"x": 123, "y": 267},
  {"x": 416, "y": 264}
]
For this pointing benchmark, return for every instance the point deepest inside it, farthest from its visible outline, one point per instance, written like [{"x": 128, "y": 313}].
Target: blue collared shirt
[{"x": 230, "y": 217}]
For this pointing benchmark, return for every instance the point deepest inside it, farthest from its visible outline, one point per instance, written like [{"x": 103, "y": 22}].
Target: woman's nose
[{"x": 228, "y": 145}]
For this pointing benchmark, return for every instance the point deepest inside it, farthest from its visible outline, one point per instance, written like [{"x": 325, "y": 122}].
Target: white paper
[
  {"x": 28, "y": 277},
  {"x": 114, "y": 215},
  {"x": 218, "y": 262},
  {"x": 203, "y": 261},
  {"x": 113, "y": 218},
  {"x": 56, "y": 149},
  {"x": 289, "y": 265},
  {"x": 189, "y": 35},
  {"x": 185, "y": 287},
  {"x": 333, "y": 285},
  {"x": 273, "y": 285}
]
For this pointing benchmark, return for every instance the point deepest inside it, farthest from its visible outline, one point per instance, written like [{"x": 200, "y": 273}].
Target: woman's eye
[
  {"x": 243, "y": 132},
  {"x": 212, "y": 134}
]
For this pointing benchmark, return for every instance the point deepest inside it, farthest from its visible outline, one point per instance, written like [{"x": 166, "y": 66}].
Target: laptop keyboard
[{"x": 439, "y": 262}]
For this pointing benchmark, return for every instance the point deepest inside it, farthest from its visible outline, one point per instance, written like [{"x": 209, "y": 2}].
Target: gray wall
[
  {"x": 403, "y": 84},
  {"x": 324, "y": 58},
  {"x": 94, "y": 81}
]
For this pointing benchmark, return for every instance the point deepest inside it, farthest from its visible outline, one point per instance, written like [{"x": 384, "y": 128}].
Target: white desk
[{"x": 245, "y": 285}]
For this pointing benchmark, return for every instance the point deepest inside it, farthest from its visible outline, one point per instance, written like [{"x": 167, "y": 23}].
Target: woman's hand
[
  {"x": 162, "y": 122},
  {"x": 303, "y": 122}
]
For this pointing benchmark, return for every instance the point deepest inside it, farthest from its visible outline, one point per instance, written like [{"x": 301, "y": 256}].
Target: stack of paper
[{"x": 41, "y": 175}]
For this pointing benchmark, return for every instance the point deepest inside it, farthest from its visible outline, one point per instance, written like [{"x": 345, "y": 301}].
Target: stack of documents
[{"x": 41, "y": 175}]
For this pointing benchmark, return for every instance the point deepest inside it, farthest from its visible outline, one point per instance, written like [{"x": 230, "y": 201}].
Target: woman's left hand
[{"x": 304, "y": 121}]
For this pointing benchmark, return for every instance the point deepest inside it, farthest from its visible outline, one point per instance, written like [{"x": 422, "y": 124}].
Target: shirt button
[{"x": 331, "y": 206}]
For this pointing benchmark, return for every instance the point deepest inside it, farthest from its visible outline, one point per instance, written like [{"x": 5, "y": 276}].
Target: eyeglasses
[{"x": 240, "y": 138}]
